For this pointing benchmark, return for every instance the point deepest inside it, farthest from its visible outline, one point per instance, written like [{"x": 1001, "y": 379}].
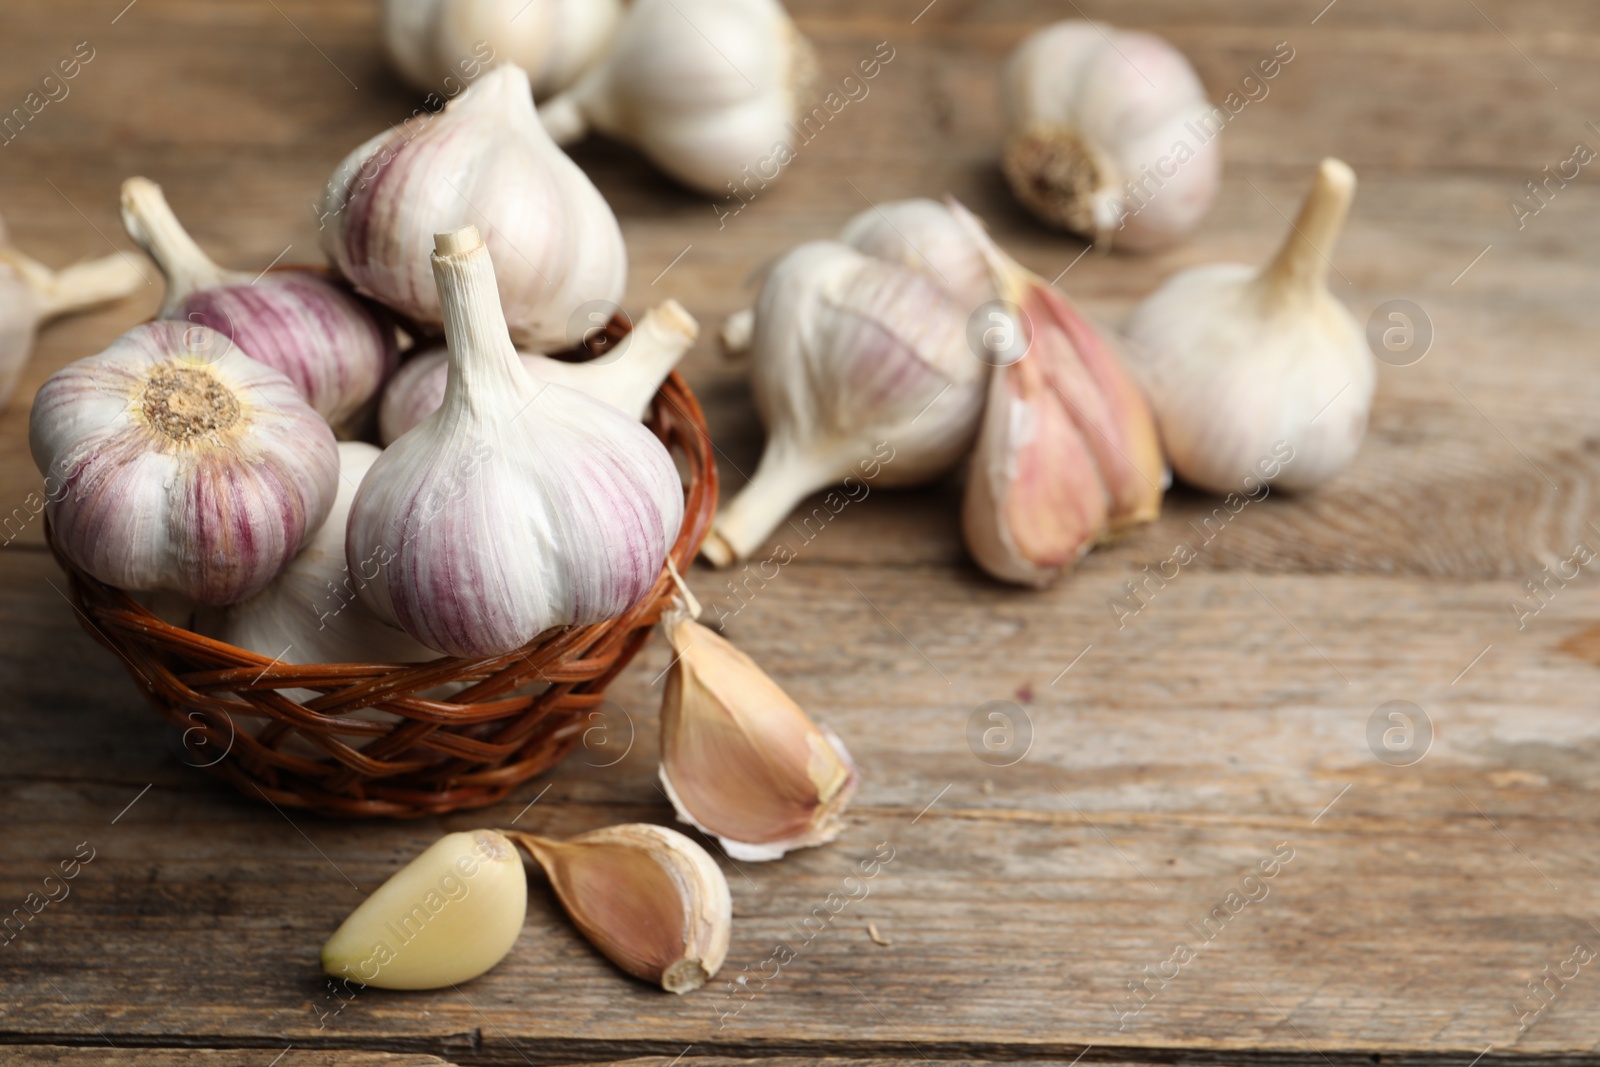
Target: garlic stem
[
  {"x": 78, "y": 287},
  {"x": 563, "y": 119},
  {"x": 655, "y": 346},
  {"x": 1300, "y": 268},
  {"x": 151, "y": 223},
  {"x": 483, "y": 361},
  {"x": 785, "y": 477},
  {"x": 737, "y": 332}
]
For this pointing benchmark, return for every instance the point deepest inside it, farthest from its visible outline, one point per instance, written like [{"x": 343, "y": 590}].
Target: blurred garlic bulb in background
[
  {"x": 740, "y": 760},
  {"x": 1109, "y": 136},
  {"x": 857, "y": 367},
  {"x": 1241, "y": 362},
  {"x": 708, "y": 89},
  {"x": 519, "y": 505},
  {"x": 32, "y": 294},
  {"x": 335, "y": 349},
  {"x": 187, "y": 466},
  {"x": 486, "y": 161},
  {"x": 627, "y": 378},
  {"x": 431, "y": 42}
]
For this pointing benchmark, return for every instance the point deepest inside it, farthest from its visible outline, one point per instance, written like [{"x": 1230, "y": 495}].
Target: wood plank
[{"x": 65, "y": 1056}]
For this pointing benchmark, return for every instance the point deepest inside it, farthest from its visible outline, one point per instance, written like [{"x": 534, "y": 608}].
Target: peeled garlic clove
[
  {"x": 651, "y": 900},
  {"x": 858, "y": 367},
  {"x": 336, "y": 350},
  {"x": 437, "y": 44},
  {"x": 708, "y": 89},
  {"x": 627, "y": 379},
  {"x": 1111, "y": 135},
  {"x": 484, "y": 160},
  {"x": 187, "y": 465},
  {"x": 519, "y": 505},
  {"x": 444, "y": 918},
  {"x": 1260, "y": 375},
  {"x": 740, "y": 760}
]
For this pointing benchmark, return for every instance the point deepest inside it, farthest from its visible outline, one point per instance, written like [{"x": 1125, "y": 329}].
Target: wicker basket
[{"x": 433, "y": 755}]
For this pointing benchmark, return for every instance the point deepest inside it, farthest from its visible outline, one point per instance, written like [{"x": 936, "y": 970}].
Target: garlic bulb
[
  {"x": 437, "y": 44},
  {"x": 1241, "y": 362},
  {"x": 1111, "y": 135},
  {"x": 310, "y": 613},
  {"x": 32, "y": 294},
  {"x": 857, "y": 367},
  {"x": 647, "y": 897},
  {"x": 740, "y": 760},
  {"x": 187, "y": 465},
  {"x": 484, "y": 160},
  {"x": 517, "y": 506},
  {"x": 708, "y": 89},
  {"x": 1068, "y": 454},
  {"x": 627, "y": 379},
  {"x": 444, "y": 918},
  {"x": 336, "y": 350}
]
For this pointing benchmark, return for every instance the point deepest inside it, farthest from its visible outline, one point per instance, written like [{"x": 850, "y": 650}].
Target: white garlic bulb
[
  {"x": 1110, "y": 135},
  {"x": 311, "y": 612},
  {"x": 188, "y": 466},
  {"x": 485, "y": 160},
  {"x": 857, "y": 367},
  {"x": 438, "y": 44},
  {"x": 708, "y": 89},
  {"x": 336, "y": 350},
  {"x": 32, "y": 294},
  {"x": 627, "y": 378},
  {"x": 1244, "y": 364},
  {"x": 519, "y": 505}
]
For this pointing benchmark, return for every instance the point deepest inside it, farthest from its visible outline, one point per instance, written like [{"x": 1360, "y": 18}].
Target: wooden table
[{"x": 1227, "y": 720}]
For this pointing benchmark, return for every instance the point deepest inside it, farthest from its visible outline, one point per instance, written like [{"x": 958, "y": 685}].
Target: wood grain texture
[
  {"x": 1161, "y": 759},
  {"x": 107, "y": 1056}
]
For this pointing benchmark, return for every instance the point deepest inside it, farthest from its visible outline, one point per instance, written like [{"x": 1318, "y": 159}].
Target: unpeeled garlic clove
[
  {"x": 740, "y": 760},
  {"x": 485, "y": 160},
  {"x": 1097, "y": 118},
  {"x": 627, "y": 379},
  {"x": 708, "y": 89},
  {"x": 336, "y": 350},
  {"x": 1068, "y": 453},
  {"x": 444, "y": 918},
  {"x": 1260, "y": 375},
  {"x": 651, "y": 900}
]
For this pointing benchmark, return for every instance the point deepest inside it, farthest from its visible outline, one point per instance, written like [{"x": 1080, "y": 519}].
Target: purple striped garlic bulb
[
  {"x": 182, "y": 464},
  {"x": 337, "y": 350},
  {"x": 519, "y": 505},
  {"x": 485, "y": 160},
  {"x": 861, "y": 370},
  {"x": 627, "y": 379}
]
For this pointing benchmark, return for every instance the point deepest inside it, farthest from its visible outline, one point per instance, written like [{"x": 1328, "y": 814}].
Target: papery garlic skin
[
  {"x": 337, "y": 351},
  {"x": 1096, "y": 118},
  {"x": 187, "y": 466},
  {"x": 1242, "y": 363},
  {"x": 705, "y": 88},
  {"x": 740, "y": 760},
  {"x": 484, "y": 160},
  {"x": 519, "y": 505},
  {"x": 444, "y": 918},
  {"x": 435, "y": 44},
  {"x": 853, "y": 361},
  {"x": 627, "y": 379},
  {"x": 654, "y": 902}
]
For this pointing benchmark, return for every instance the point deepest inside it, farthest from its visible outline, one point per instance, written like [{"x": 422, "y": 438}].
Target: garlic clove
[
  {"x": 516, "y": 507},
  {"x": 859, "y": 368},
  {"x": 336, "y": 350},
  {"x": 485, "y": 160},
  {"x": 185, "y": 464},
  {"x": 1097, "y": 118},
  {"x": 740, "y": 760},
  {"x": 1260, "y": 375},
  {"x": 708, "y": 89},
  {"x": 651, "y": 900},
  {"x": 627, "y": 379},
  {"x": 445, "y": 918}
]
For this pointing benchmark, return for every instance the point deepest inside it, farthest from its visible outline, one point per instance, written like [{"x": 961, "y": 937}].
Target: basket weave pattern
[{"x": 438, "y": 755}]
